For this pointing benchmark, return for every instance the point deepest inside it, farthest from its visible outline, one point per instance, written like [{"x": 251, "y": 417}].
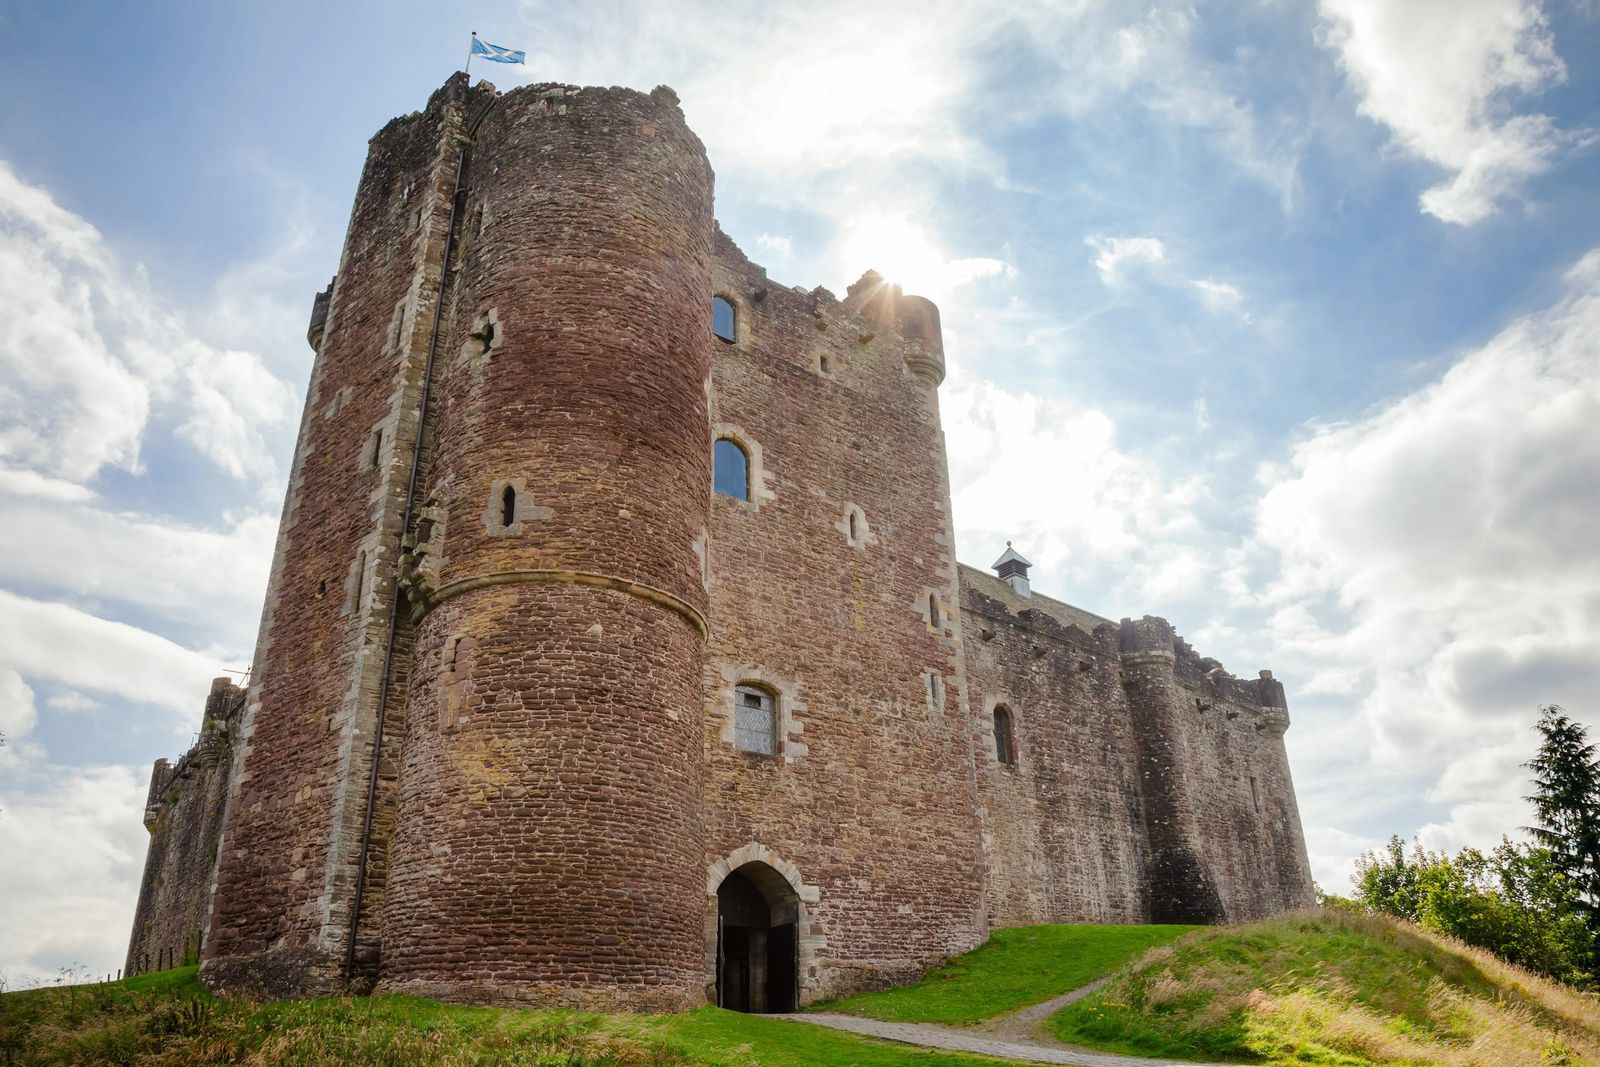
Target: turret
[
  {"x": 1013, "y": 570},
  {"x": 914, "y": 319},
  {"x": 319, "y": 317}
]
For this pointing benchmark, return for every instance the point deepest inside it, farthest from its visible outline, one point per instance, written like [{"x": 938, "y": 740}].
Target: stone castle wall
[
  {"x": 488, "y": 752},
  {"x": 549, "y": 820},
  {"x": 184, "y": 817},
  {"x": 281, "y": 914},
  {"x": 870, "y": 795}
]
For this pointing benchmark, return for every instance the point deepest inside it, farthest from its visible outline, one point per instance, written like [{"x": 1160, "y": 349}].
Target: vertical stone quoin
[
  {"x": 282, "y": 898},
  {"x": 548, "y": 844}
]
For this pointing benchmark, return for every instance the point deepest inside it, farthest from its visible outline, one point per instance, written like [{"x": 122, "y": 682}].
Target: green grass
[
  {"x": 1015, "y": 968},
  {"x": 1333, "y": 988},
  {"x": 729, "y": 1039},
  {"x": 168, "y": 1019}
]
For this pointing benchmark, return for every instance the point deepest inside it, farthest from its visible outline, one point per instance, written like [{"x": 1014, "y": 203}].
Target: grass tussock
[{"x": 1335, "y": 988}]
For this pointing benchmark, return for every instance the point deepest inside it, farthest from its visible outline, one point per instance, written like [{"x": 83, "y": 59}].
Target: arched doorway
[{"x": 758, "y": 916}]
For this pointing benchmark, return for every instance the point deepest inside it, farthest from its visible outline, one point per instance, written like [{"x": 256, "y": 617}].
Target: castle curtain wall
[
  {"x": 1064, "y": 827},
  {"x": 184, "y": 817}
]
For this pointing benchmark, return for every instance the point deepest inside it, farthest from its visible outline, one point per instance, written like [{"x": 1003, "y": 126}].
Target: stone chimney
[{"x": 1013, "y": 570}]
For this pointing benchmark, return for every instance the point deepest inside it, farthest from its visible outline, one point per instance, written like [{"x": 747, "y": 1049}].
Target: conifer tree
[{"x": 1566, "y": 801}]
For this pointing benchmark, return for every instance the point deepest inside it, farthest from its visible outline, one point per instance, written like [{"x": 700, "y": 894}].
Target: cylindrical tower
[
  {"x": 1294, "y": 888},
  {"x": 548, "y": 842},
  {"x": 1181, "y": 889}
]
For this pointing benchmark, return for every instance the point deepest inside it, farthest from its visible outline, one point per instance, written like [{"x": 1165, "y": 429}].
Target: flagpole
[{"x": 468, "y": 67}]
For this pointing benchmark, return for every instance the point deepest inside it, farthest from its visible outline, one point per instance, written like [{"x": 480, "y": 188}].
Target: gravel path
[{"x": 1018, "y": 1036}]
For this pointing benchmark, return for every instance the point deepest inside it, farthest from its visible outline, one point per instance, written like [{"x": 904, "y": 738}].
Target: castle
[{"x": 616, "y": 654}]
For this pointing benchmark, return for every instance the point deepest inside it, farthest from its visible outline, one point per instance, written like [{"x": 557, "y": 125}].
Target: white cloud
[
  {"x": 1144, "y": 56},
  {"x": 89, "y": 355},
  {"x": 71, "y": 849},
  {"x": 1051, "y": 478},
  {"x": 70, "y": 702},
  {"x": 210, "y": 578},
  {"x": 856, "y": 106},
  {"x": 41, "y": 640},
  {"x": 778, "y": 245},
  {"x": 1441, "y": 558},
  {"x": 18, "y": 716},
  {"x": 1220, "y": 297},
  {"x": 1443, "y": 76},
  {"x": 1112, "y": 253},
  {"x": 1118, "y": 260}
]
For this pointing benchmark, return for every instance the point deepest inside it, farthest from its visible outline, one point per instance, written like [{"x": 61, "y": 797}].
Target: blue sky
[{"x": 1281, "y": 321}]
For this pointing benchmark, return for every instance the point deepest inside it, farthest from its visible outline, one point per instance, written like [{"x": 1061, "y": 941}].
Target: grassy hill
[
  {"x": 1017, "y": 967},
  {"x": 168, "y": 1019},
  {"x": 1334, "y": 988},
  {"x": 1321, "y": 988}
]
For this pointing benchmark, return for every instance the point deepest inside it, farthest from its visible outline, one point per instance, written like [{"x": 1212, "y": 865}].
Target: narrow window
[
  {"x": 855, "y": 532},
  {"x": 1255, "y": 795},
  {"x": 487, "y": 336},
  {"x": 376, "y": 448},
  {"x": 730, "y": 469},
  {"x": 933, "y": 610},
  {"x": 1005, "y": 738},
  {"x": 508, "y": 506},
  {"x": 723, "y": 318},
  {"x": 755, "y": 720},
  {"x": 823, "y": 363},
  {"x": 356, "y": 581}
]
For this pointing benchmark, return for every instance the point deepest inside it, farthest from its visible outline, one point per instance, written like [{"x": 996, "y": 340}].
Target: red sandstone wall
[
  {"x": 549, "y": 840},
  {"x": 870, "y": 801},
  {"x": 281, "y": 908}
]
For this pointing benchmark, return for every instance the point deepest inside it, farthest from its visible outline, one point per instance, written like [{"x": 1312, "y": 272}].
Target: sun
[{"x": 898, "y": 249}]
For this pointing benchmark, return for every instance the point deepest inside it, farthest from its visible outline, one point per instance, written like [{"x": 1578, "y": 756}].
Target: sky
[{"x": 1279, "y": 320}]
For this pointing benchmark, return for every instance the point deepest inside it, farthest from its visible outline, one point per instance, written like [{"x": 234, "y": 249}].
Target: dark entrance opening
[{"x": 758, "y": 961}]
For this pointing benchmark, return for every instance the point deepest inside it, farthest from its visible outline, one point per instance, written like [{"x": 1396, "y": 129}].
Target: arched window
[
  {"x": 855, "y": 527},
  {"x": 1005, "y": 736},
  {"x": 724, "y": 319},
  {"x": 755, "y": 720},
  {"x": 730, "y": 469},
  {"x": 508, "y": 506}
]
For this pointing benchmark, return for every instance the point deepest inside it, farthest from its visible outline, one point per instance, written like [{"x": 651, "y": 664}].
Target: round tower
[{"x": 548, "y": 838}]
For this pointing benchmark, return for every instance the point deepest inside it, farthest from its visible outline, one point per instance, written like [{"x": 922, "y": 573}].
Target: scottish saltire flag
[{"x": 495, "y": 54}]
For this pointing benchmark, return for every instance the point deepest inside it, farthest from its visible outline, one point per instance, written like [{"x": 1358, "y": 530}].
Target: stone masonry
[{"x": 539, "y": 717}]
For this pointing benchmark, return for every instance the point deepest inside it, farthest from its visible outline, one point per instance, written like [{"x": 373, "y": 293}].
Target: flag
[{"x": 495, "y": 54}]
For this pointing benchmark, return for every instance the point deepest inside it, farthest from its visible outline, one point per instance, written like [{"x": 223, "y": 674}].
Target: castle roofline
[{"x": 998, "y": 589}]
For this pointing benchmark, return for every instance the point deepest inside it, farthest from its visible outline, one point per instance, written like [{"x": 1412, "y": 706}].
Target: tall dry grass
[{"x": 1334, "y": 987}]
